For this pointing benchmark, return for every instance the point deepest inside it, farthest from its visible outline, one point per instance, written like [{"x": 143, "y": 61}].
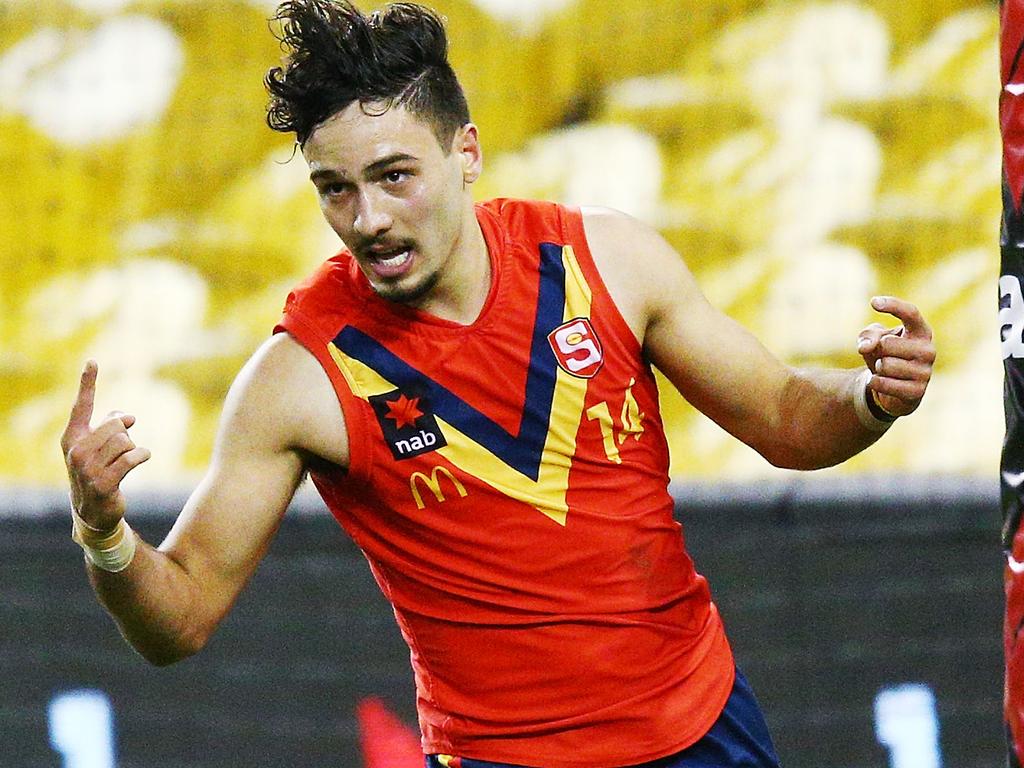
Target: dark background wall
[{"x": 831, "y": 592}]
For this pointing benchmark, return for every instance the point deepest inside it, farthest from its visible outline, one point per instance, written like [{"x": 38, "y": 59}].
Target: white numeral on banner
[
  {"x": 907, "y": 724},
  {"x": 82, "y": 729}
]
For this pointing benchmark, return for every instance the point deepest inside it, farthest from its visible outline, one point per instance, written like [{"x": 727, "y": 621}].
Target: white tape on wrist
[
  {"x": 111, "y": 551},
  {"x": 860, "y": 404}
]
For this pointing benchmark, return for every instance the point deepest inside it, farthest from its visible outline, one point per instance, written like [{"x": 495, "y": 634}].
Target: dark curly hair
[{"x": 336, "y": 55}]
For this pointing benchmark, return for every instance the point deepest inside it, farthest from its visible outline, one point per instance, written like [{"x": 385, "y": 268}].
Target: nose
[{"x": 372, "y": 218}]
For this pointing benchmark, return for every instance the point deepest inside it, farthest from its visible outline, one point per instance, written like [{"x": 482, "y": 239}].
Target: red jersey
[{"x": 508, "y": 485}]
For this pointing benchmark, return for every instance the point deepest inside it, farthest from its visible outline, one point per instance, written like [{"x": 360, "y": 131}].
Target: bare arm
[
  {"x": 795, "y": 418},
  {"x": 279, "y": 415}
]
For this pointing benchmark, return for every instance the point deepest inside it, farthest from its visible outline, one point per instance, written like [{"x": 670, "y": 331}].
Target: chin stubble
[{"x": 410, "y": 294}]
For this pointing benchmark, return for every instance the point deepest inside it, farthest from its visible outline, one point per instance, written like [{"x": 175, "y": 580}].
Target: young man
[{"x": 469, "y": 387}]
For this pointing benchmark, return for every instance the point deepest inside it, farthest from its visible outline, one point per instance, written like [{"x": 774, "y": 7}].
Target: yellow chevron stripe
[{"x": 548, "y": 493}]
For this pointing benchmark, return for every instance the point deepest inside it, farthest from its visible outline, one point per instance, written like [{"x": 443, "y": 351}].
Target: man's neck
[{"x": 462, "y": 290}]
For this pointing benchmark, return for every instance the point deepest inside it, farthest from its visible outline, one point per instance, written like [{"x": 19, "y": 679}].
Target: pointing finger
[
  {"x": 81, "y": 411},
  {"x": 908, "y": 313}
]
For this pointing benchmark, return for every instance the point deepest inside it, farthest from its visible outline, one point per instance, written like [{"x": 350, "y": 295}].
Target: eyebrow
[
  {"x": 377, "y": 165},
  {"x": 384, "y": 162}
]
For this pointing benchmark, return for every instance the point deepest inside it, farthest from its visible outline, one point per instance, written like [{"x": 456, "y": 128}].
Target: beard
[{"x": 402, "y": 293}]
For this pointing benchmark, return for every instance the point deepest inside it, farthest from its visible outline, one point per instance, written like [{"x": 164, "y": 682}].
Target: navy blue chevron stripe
[{"x": 522, "y": 452}]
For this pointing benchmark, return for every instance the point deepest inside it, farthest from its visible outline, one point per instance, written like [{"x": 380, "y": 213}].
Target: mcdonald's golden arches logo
[{"x": 433, "y": 483}]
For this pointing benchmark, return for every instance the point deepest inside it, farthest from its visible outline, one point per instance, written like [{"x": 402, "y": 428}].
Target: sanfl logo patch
[{"x": 577, "y": 348}]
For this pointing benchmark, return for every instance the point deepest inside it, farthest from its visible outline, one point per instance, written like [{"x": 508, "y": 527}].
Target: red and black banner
[{"x": 1011, "y": 318}]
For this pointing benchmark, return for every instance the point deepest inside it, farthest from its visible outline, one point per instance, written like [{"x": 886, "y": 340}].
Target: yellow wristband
[{"x": 110, "y": 551}]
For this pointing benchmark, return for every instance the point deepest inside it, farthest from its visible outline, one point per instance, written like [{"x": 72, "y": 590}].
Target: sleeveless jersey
[{"x": 508, "y": 486}]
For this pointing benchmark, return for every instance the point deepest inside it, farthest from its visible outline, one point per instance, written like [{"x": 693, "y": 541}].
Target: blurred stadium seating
[{"x": 802, "y": 156}]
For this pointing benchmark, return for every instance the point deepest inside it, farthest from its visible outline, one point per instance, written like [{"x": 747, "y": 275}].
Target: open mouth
[{"x": 392, "y": 262}]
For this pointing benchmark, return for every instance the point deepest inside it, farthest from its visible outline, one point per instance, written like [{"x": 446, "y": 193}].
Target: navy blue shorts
[{"x": 738, "y": 739}]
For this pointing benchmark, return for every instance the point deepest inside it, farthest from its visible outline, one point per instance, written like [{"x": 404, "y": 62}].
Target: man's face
[{"x": 395, "y": 197}]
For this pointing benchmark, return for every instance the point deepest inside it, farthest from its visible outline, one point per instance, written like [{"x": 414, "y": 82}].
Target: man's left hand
[{"x": 901, "y": 358}]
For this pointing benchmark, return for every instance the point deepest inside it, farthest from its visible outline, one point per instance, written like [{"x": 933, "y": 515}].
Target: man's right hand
[{"x": 98, "y": 459}]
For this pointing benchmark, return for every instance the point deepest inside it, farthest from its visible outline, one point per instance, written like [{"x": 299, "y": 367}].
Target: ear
[{"x": 466, "y": 143}]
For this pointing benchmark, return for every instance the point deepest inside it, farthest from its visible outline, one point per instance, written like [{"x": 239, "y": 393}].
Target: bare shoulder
[
  {"x": 282, "y": 396},
  {"x": 609, "y": 222},
  {"x": 642, "y": 271}
]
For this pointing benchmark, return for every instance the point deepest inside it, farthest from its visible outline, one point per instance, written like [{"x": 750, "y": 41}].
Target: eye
[
  {"x": 332, "y": 189},
  {"x": 395, "y": 176}
]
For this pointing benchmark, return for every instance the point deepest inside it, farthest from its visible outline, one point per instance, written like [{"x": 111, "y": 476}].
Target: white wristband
[
  {"x": 111, "y": 551},
  {"x": 860, "y": 404}
]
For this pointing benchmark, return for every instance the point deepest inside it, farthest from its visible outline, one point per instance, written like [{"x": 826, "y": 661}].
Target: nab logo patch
[
  {"x": 409, "y": 427},
  {"x": 577, "y": 348}
]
